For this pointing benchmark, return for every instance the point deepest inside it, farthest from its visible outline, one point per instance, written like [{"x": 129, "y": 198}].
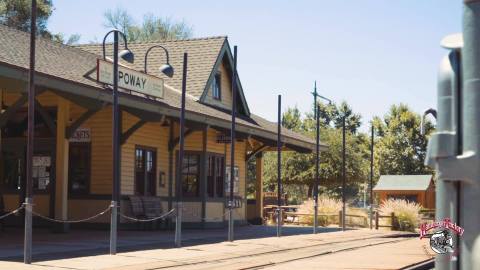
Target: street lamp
[
  {"x": 166, "y": 69},
  {"x": 128, "y": 56},
  {"x": 317, "y": 155}
]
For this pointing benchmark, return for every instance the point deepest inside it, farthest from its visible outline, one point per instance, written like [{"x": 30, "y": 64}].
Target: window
[
  {"x": 190, "y": 175},
  {"x": 215, "y": 175},
  {"x": 407, "y": 197},
  {"x": 217, "y": 87},
  {"x": 79, "y": 168},
  {"x": 145, "y": 171}
]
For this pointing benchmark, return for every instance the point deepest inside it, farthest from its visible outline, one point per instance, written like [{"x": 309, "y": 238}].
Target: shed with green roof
[{"x": 415, "y": 188}]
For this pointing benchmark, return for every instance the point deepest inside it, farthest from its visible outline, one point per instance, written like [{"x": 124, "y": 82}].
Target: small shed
[{"x": 414, "y": 188}]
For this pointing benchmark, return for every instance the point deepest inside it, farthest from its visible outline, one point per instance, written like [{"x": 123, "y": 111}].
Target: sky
[{"x": 369, "y": 53}]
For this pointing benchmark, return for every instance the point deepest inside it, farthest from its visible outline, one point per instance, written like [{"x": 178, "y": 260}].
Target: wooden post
[
  {"x": 393, "y": 221},
  {"x": 259, "y": 186},
  {"x": 376, "y": 220},
  {"x": 340, "y": 215},
  {"x": 61, "y": 162}
]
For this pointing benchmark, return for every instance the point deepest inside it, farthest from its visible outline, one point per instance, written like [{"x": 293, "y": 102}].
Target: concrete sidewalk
[{"x": 352, "y": 249}]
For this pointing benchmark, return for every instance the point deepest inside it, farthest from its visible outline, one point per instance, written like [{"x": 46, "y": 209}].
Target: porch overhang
[{"x": 95, "y": 97}]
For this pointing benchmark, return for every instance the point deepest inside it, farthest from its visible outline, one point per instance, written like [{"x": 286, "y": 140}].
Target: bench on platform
[
  {"x": 146, "y": 207},
  {"x": 2, "y": 212}
]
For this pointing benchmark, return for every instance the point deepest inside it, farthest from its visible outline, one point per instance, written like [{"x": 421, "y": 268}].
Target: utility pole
[
  {"x": 317, "y": 154},
  {"x": 343, "y": 174},
  {"x": 232, "y": 146},
  {"x": 279, "y": 168},
  {"x": 371, "y": 176},
  {"x": 27, "y": 254}
]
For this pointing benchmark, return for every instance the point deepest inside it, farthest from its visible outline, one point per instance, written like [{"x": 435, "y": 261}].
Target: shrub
[
  {"x": 326, "y": 206},
  {"x": 407, "y": 215}
]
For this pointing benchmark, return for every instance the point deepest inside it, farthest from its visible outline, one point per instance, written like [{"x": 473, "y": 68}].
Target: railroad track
[{"x": 271, "y": 258}]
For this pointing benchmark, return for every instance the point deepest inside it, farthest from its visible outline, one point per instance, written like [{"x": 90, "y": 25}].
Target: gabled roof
[
  {"x": 403, "y": 182},
  {"x": 63, "y": 68},
  {"x": 202, "y": 56}
]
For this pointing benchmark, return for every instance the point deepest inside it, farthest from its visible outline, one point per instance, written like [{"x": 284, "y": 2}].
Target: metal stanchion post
[
  {"x": 178, "y": 224},
  {"x": 113, "y": 230},
  {"x": 230, "y": 221},
  {"x": 28, "y": 231}
]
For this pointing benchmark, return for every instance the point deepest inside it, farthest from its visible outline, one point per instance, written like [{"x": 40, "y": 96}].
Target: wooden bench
[
  {"x": 2, "y": 212},
  {"x": 146, "y": 207}
]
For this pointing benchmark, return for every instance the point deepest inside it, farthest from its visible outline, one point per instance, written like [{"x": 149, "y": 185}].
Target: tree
[
  {"x": 17, "y": 14},
  {"x": 400, "y": 148},
  {"x": 298, "y": 170},
  {"x": 152, "y": 28}
]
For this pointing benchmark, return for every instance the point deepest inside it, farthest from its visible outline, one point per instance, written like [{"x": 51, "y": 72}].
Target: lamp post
[
  {"x": 317, "y": 155},
  {"x": 166, "y": 69},
  {"x": 179, "y": 208},
  {"x": 27, "y": 254},
  {"x": 128, "y": 56}
]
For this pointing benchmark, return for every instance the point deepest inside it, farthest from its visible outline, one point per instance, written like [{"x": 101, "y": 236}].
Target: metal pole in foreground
[
  {"x": 343, "y": 175},
  {"x": 27, "y": 255},
  {"x": 469, "y": 217},
  {"x": 232, "y": 145},
  {"x": 279, "y": 171},
  {"x": 116, "y": 157},
  {"x": 371, "y": 177},
  {"x": 179, "y": 209},
  {"x": 317, "y": 153}
]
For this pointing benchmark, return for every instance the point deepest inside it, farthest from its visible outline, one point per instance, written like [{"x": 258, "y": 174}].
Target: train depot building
[{"x": 73, "y": 133}]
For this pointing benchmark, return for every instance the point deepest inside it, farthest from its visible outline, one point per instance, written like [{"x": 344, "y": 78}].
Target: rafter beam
[
  {"x": 22, "y": 100},
  {"x": 175, "y": 141},
  {"x": 256, "y": 151},
  {"x": 46, "y": 117},
  {"x": 75, "y": 125},
  {"x": 124, "y": 137}
]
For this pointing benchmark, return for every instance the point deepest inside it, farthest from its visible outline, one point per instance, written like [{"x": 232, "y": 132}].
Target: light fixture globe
[
  {"x": 127, "y": 55},
  {"x": 167, "y": 69}
]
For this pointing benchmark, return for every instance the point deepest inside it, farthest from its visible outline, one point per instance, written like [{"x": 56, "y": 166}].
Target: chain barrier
[
  {"x": 12, "y": 212},
  {"x": 196, "y": 215},
  {"x": 73, "y": 221},
  {"x": 147, "y": 220}
]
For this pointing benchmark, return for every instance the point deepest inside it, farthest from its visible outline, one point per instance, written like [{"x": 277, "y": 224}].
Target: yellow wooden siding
[
  {"x": 78, "y": 209},
  {"x": 151, "y": 135},
  {"x": 215, "y": 212},
  {"x": 226, "y": 88}
]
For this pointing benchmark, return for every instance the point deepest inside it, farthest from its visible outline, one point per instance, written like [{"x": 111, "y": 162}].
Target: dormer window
[{"x": 217, "y": 87}]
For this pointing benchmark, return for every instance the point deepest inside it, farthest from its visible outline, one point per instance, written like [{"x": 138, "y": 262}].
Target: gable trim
[{"x": 225, "y": 51}]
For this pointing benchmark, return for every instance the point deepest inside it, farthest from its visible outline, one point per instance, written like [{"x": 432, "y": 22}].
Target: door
[{"x": 145, "y": 171}]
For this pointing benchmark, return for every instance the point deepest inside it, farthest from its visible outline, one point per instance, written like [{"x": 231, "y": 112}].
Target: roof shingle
[{"x": 73, "y": 63}]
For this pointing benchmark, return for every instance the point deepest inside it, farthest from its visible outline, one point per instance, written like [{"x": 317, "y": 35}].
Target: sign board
[
  {"x": 236, "y": 203},
  {"x": 236, "y": 181},
  {"x": 81, "y": 135},
  {"x": 130, "y": 79}
]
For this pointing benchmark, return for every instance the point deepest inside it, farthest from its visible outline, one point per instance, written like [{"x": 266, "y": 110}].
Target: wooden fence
[{"x": 336, "y": 218}]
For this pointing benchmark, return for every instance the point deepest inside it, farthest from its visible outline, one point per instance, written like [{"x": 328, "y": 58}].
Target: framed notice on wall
[{"x": 236, "y": 181}]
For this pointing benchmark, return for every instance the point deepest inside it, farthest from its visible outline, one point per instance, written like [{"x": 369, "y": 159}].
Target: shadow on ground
[{"x": 79, "y": 243}]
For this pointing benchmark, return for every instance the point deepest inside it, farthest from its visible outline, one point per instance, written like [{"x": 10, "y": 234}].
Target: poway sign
[{"x": 130, "y": 79}]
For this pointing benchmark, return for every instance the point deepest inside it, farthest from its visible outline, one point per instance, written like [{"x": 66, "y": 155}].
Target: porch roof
[{"x": 64, "y": 69}]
